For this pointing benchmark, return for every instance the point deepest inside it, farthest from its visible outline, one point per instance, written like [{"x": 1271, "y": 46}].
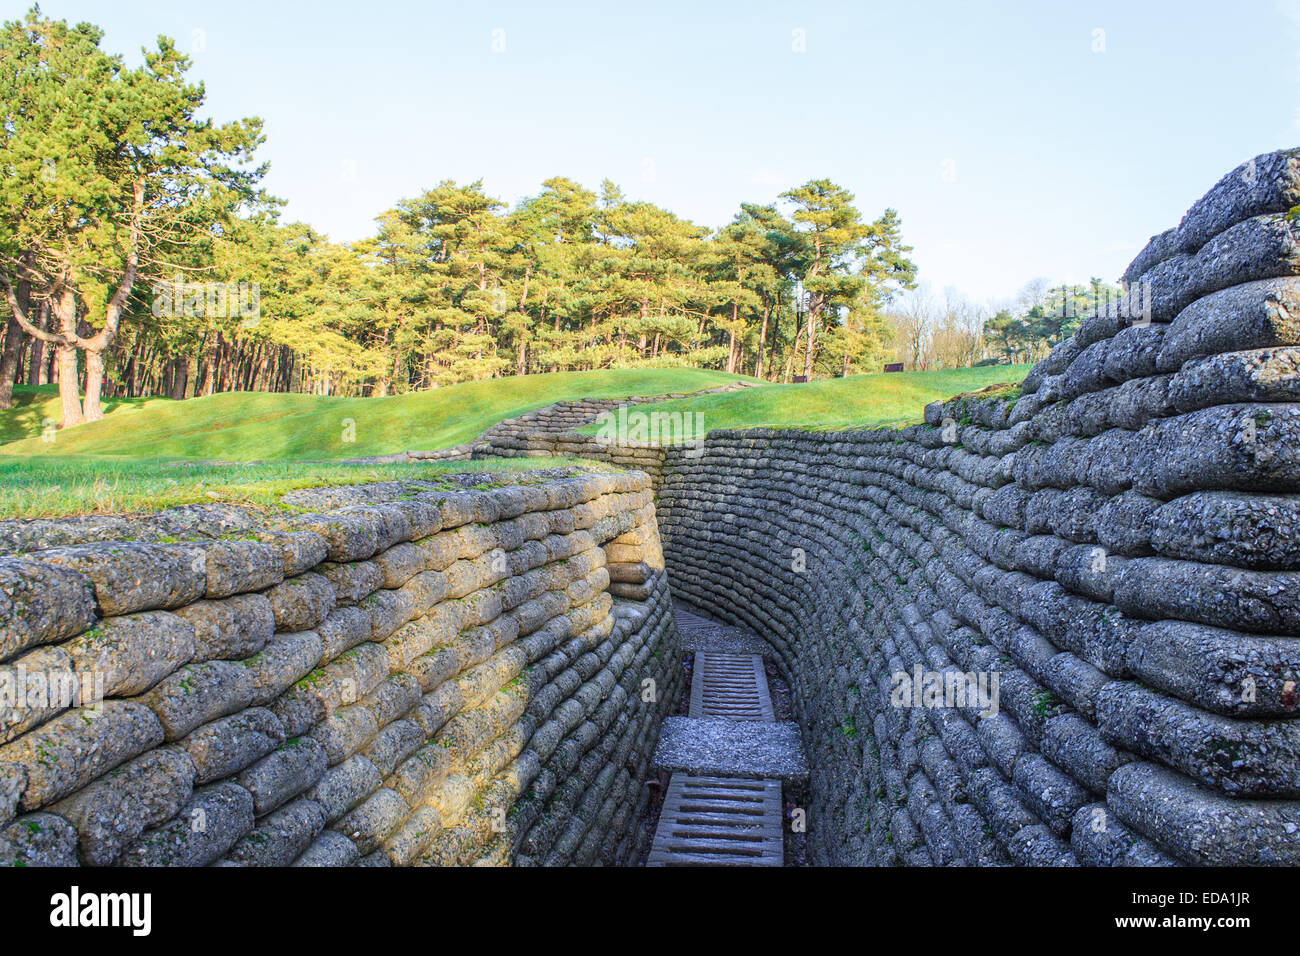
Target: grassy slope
[
  {"x": 256, "y": 426},
  {"x": 128, "y": 462},
  {"x": 32, "y": 407},
  {"x": 72, "y": 485},
  {"x": 860, "y": 400}
]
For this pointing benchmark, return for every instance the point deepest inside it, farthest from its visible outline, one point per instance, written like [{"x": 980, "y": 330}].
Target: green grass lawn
[
  {"x": 33, "y": 407},
  {"x": 873, "y": 400},
  {"x": 250, "y": 448},
  {"x": 259, "y": 426},
  {"x": 75, "y": 485}
]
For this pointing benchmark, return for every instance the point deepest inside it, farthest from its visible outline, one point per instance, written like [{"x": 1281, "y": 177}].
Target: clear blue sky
[{"x": 1010, "y": 148}]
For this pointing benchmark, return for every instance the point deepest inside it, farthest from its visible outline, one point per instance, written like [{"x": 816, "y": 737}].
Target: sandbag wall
[
  {"x": 429, "y": 678},
  {"x": 554, "y": 419},
  {"x": 1117, "y": 542},
  {"x": 550, "y": 432},
  {"x": 643, "y": 457}
]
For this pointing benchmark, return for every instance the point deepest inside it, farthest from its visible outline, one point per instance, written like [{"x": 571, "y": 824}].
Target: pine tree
[{"x": 114, "y": 178}]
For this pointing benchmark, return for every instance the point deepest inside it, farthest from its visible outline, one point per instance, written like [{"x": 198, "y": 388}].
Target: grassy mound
[
  {"x": 876, "y": 400},
  {"x": 257, "y": 426},
  {"x": 149, "y": 454},
  {"x": 78, "y": 485}
]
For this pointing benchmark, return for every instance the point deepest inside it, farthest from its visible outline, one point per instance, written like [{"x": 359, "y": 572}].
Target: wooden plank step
[
  {"x": 746, "y": 833},
  {"x": 731, "y": 686}
]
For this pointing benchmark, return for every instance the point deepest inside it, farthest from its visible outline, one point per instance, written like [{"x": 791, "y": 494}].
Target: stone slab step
[
  {"x": 719, "y": 821},
  {"x": 715, "y": 746},
  {"x": 697, "y": 633}
]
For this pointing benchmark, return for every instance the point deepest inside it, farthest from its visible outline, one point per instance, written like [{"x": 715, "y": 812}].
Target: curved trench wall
[
  {"x": 1117, "y": 543},
  {"x": 415, "y": 676}
]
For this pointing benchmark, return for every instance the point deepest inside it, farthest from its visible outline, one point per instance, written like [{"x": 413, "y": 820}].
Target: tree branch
[
  {"x": 20, "y": 316},
  {"x": 113, "y": 312}
]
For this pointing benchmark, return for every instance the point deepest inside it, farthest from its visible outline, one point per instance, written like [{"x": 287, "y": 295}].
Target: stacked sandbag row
[
  {"x": 635, "y": 562},
  {"x": 642, "y": 456},
  {"x": 542, "y": 444},
  {"x": 454, "y": 453},
  {"x": 427, "y": 677},
  {"x": 563, "y": 417},
  {"x": 552, "y": 419},
  {"x": 1116, "y": 543},
  {"x": 551, "y": 432}
]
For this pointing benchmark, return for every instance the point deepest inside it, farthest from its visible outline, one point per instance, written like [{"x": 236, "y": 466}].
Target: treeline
[
  {"x": 140, "y": 255},
  {"x": 948, "y": 330},
  {"x": 1044, "y": 316}
]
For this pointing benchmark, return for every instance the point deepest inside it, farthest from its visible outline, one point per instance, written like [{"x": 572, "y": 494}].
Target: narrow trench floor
[{"x": 729, "y": 756}]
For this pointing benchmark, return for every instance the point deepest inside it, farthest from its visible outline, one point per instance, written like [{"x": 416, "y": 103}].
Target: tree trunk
[
  {"x": 180, "y": 377},
  {"x": 762, "y": 340},
  {"x": 207, "y": 359},
  {"x": 771, "y": 354},
  {"x": 211, "y": 343},
  {"x": 69, "y": 400},
  {"x": 37, "y": 370},
  {"x": 265, "y": 363},
  {"x": 794, "y": 348},
  {"x": 92, "y": 411},
  {"x": 808, "y": 349},
  {"x": 65, "y": 318},
  {"x": 13, "y": 341},
  {"x": 249, "y": 361},
  {"x": 145, "y": 375},
  {"x": 95, "y": 345},
  {"x": 131, "y": 369},
  {"x": 731, "y": 343},
  {"x": 382, "y": 386},
  {"x": 224, "y": 360}
]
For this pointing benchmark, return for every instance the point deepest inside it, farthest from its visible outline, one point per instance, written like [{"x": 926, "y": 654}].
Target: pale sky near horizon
[{"x": 1016, "y": 140}]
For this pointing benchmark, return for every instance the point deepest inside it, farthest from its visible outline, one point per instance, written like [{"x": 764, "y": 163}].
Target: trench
[{"x": 735, "y": 758}]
